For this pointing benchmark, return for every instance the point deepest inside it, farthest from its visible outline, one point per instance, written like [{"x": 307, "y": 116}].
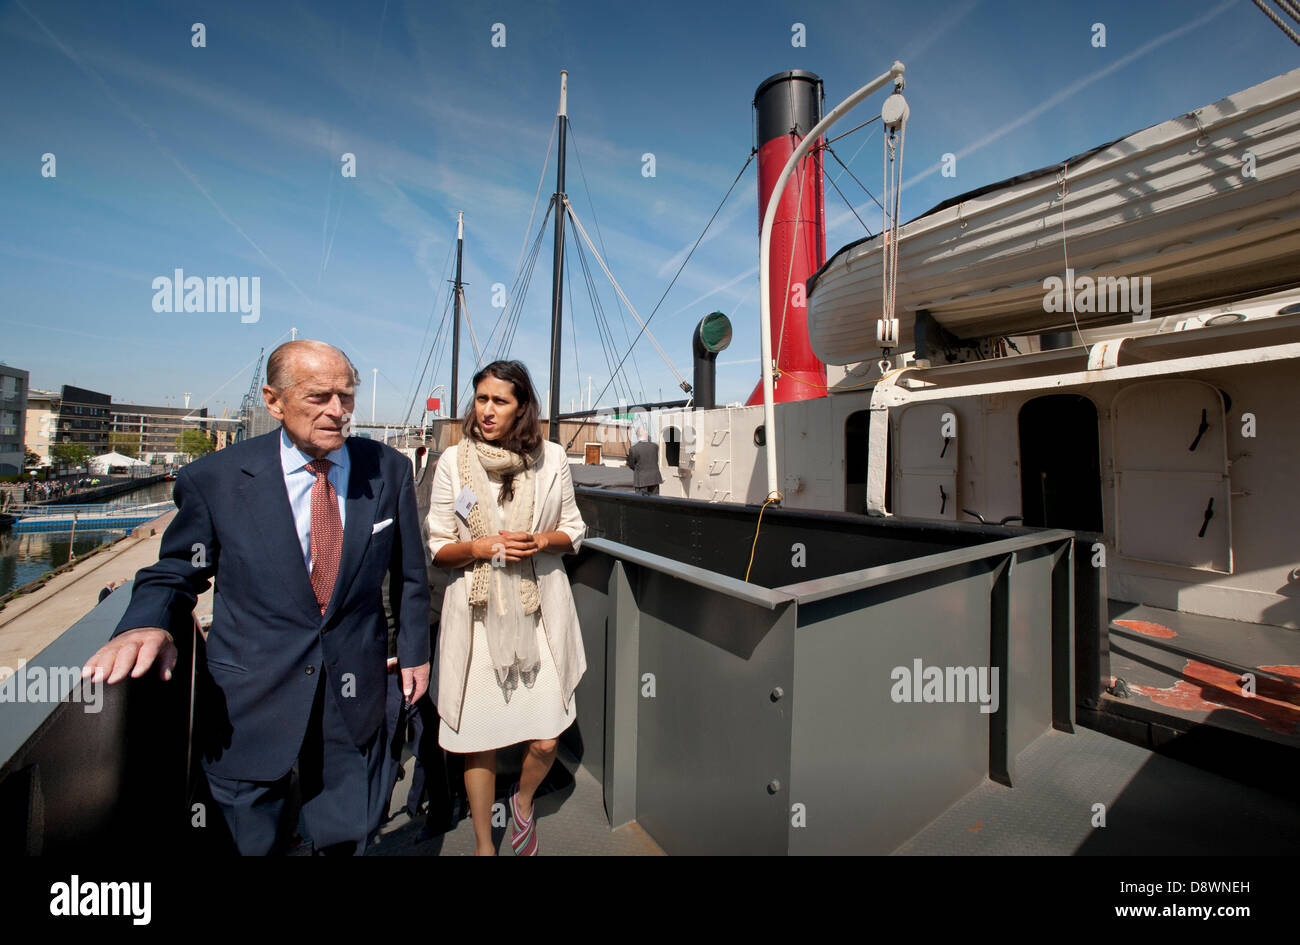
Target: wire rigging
[
  {"x": 507, "y": 322},
  {"x": 1278, "y": 21},
  {"x": 619, "y": 289},
  {"x": 605, "y": 252},
  {"x": 849, "y": 205},
  {"x": 609, "y": 347},
  {"x": 419, "y": 385},
  {"x": 536, "y": 197},
  {"x": 830, "y": 141},
  {"x": 469, "y": 324},
  {"x": 832, "y": 153},
  {"x": 892, "y": 173},
  {"x": 740, "y": 173},
  {"x": 413, "y": 387}
]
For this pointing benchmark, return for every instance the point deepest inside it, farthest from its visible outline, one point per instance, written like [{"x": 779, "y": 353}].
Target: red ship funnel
[{"x": 787, "y": 106}]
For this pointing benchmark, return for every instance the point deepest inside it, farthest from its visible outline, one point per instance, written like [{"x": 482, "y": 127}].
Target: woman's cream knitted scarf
[{"x": 503, "y": 594}]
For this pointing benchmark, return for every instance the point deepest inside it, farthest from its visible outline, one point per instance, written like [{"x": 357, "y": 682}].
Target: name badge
[{"x": 465, "y": 502}]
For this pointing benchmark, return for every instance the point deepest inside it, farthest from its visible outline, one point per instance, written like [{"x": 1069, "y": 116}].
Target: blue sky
[{"x": 225, "y": 160}]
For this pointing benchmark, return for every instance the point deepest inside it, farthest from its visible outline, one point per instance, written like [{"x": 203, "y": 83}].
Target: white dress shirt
[{"x": 298, "y": 480}]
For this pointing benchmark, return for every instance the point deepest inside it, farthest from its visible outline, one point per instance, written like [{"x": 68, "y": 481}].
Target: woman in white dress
[{"x": 509, "y": 647}]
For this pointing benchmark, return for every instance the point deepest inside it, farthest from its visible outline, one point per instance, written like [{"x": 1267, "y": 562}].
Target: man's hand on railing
[{"x": 133, "y": 652}]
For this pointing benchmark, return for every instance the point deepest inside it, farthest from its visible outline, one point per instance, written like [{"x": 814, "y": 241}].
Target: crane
[{"x": 249, "y": 404}]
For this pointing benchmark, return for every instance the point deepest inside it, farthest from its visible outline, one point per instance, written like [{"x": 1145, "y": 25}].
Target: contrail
[
  {"x": 153, "y": 136},
  {"x": 327, "y": 244},
  {"x": 325, "y": 224},
  {"x": 338, "y": 217},
  {"x": 752, "y": 271},
  {"x": 66, "y": 331}
]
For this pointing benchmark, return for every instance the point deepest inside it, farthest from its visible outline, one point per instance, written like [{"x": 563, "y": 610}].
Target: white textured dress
[{"x": 487, "y": 721}]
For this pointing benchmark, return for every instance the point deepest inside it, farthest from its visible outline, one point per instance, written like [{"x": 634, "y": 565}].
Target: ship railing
[
  {"x": 766, "y": 716},
  {"x": 97, "y": 508},
  {"x": 721, "y": 714},
  {"x": 87, "y": 768}
]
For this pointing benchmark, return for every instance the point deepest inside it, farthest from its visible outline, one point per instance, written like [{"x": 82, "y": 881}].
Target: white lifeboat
[{"x": 1181, "y": 202}]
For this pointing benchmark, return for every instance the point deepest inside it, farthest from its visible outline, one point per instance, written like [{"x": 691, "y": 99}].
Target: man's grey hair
[{"x": 278, "y": 373}]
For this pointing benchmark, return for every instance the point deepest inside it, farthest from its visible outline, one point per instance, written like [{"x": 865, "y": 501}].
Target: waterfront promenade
[{"x": 33, "y": 621}]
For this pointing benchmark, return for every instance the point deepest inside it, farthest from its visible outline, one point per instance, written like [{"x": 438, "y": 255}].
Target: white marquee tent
[{"x": 101, "y": 465}]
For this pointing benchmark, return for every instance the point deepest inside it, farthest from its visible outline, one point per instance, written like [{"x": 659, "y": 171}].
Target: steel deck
[
  {"x": 1153, "y": 806},
  {"x": 571, "y": 821},
  {"x": 1190, "y": 669}
]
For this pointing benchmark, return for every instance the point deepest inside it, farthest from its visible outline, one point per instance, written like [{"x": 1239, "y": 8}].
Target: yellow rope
[
  {"x": 876, "y": 380},
  {"x": 778, "y": 497}
]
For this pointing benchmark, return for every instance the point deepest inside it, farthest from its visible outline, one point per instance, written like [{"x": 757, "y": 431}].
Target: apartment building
[
  {"x": 42, "y": 421},
  {"x": 13, "y": 424}
]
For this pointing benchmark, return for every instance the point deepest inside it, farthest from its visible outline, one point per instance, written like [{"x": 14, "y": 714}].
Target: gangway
[{"x": 57, "y": 518}]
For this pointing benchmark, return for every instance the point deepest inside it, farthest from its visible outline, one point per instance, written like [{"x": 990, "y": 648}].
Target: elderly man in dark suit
[
  {"x": 437, "y": 776},
  {"x": 299, "y": 528},
  {"x": 643, "y": 460}
]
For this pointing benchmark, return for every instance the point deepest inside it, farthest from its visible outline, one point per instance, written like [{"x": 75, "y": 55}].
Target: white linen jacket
[{"x": 554, "y": 509}]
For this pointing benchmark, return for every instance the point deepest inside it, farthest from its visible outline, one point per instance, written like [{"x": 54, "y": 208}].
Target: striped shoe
[{"x": 523, "y": 838}]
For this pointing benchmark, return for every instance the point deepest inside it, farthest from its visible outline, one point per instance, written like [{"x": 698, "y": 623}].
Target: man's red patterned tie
[{"x": 326, "y": 534}]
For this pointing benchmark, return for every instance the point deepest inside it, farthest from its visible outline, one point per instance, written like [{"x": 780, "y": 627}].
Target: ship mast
[
  {"x": 455, "y": 331},
  {"x": 557, "y": 274}
]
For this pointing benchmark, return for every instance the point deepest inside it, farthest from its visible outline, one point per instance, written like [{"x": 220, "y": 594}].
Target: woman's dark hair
[{"x": 524, "y": 435}]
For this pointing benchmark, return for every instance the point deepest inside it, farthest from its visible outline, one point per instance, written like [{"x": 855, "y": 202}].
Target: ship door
[
  {"x": 856, "y": 429},
  {"x": 1171, "y": 475},
  {"x": 925, "y": 473},
  {"x": 1060, "y": 466},
  {"x": 857, "y": 463}
]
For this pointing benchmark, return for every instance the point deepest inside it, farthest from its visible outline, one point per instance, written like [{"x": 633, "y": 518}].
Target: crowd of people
[
  {"x": 41, "y": 491},
  {"x": 28, "y": 493}
]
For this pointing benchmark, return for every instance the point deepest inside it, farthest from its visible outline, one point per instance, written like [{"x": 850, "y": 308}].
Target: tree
[
  {"x": 69, "y": 454},
  {"x": 128, "y": 444},
  {"x": 30, "y": 458},
  {"x": 194, "y": 443}
]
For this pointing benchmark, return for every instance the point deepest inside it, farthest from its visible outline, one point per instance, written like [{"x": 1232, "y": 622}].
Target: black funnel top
[{"x": 787, "y": 100}]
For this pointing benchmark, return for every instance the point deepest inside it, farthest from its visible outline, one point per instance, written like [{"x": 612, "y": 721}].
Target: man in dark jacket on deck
[{"x": 643, "y": 460}]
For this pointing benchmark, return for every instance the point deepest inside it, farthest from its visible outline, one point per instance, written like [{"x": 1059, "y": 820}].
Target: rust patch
[
  {"x": 1205, "y": 688},
  {"x": 1147, "y": 628}
]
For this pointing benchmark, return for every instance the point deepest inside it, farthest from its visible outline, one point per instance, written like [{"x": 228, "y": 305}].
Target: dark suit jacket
[
  {"x": 268, "y": 641},
  {"x": 643, "y": 460},
  {"x": 438, "y": 577}
]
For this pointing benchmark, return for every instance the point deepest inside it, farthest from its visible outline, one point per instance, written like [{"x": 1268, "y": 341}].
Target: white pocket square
[{"x": 380, "y": 526}]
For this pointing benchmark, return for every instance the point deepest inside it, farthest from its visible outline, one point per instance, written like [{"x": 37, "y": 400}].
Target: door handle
[{"x": 1200, "y": 432}]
